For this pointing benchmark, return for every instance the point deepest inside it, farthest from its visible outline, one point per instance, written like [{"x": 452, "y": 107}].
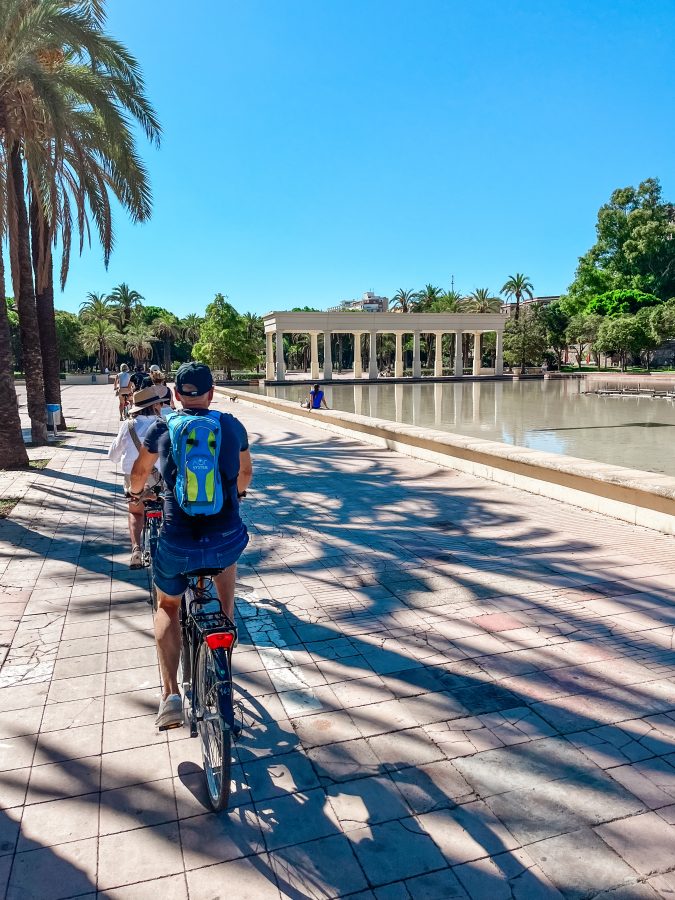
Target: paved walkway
[{"x": 451, "y": 689}]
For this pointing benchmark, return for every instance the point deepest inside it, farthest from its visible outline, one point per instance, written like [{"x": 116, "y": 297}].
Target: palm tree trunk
[
  {"x": 12, "y": 448},
  {"x": 167, "y": 355},
  {"x": 44, "y": 299},
  {"x": 24, "y": 295}
]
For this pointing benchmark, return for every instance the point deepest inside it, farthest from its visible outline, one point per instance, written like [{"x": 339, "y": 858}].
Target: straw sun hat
[{"x": 145, "y": 397}]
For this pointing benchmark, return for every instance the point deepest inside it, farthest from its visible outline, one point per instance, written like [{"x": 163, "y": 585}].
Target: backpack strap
[{"x": 134, "y": 436}]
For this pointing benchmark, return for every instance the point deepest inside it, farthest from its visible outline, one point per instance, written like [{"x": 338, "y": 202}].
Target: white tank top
[{"x": 124, "y": 378}]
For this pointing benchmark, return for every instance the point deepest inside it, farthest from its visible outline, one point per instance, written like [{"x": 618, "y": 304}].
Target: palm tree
[
  {"x": 190, "y": 327},
  {"x": 139, "y": 339},
  {"x": 404, "y": 301},
  {"x": 481, "y": 301},
  {"x": 97, "y": 308},
  {"x": 449, "y": 301},
  {"x": 166, "y": 327},
  {"x": 12, "y": 448},
  {"x": 426, "y": 298},
  {"x": 517, "y": 286},
  {"x": 100, "y": 337},
  {"x": 24, "y": 289},
  {"x": 125, "y": 300},
  {"x": 67, "y": 95}
]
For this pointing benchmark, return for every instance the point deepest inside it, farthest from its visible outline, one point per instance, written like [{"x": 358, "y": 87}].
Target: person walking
[{"x": 187, "y": 541}]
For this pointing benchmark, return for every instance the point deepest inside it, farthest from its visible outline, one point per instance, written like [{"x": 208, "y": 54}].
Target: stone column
[
  {"x": 417, "y": 362},
  {"x": 314, "y": 355},
  {"x": 438, "y": 359},
  {"x": 476, "y": 353},
  {"x": 269, "y": 356},
  {"x": 499, "y": 354},
  {"x": 281, "y": 364},
  {"x": 372, "y": 360},
  {"x": 358, "y": 365},
  {"x": 327, "y": 358},
  {"x": 459, "y": 358},
  {"x": 398, "y": 362}
]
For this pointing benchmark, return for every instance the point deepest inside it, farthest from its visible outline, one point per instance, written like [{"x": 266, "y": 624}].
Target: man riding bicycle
[{"x": 188, "y": 542}]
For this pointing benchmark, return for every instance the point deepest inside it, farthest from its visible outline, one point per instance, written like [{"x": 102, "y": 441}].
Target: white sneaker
[
  {"x": 136, "y": 561},
  {"x": 170, "y": 713}
]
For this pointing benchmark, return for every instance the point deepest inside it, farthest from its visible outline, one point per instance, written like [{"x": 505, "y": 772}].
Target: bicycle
[
  {"x": 152, "y": 523},
  {"x": 208, "y": 637}
]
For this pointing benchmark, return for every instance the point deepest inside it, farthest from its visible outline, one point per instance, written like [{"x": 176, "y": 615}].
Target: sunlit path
[{"x": 449, "y": 688}]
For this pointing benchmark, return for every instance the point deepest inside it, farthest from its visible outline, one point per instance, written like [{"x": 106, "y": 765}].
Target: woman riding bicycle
[
  {"x": 123, "y": 387},
  {"x": 124, "y": 450}
]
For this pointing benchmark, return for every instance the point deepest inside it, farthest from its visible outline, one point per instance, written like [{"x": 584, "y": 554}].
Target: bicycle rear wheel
[{"x": 212, "y": 670}]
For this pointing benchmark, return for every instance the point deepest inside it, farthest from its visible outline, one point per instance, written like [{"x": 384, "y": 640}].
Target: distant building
[
  {"x": 535, "y": 301},
  {"x": 369, "y": 302}
]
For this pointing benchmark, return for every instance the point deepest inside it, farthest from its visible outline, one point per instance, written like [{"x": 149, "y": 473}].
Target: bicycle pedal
[{"x": 170, "y": 727}]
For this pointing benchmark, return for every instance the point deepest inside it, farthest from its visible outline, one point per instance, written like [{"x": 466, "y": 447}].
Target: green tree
[
  {"x": 124, "y": 300},
  {"x": 643, "y": 318},
  {"x": 624, "y": 336},
  {"x": 663, "y": 320},
  {"x": 167, "y": 328},
  {"x": 404, "y": 301},
  {"x": 427, "y": 297},
  {"x": 555, "y": 319},
  {"x": 68, "y": 331},
  {"x": 582, "y": 332},
  {"x": 524, "y": 340},
  {"x": 517, "y": 287},
  {"x": 67, "y": 93},
  {"x": 138, "y": 339},
  {"x": 223, "y": 343},
  {"x": 481, "y": 301},
  {"x": 620, "y": 303},
  {"x": 635, "y": 246},
  {"x": 97, "y": 308},
  {"x": 190, "y": 327},
  {"x": 99, "y": 337}
]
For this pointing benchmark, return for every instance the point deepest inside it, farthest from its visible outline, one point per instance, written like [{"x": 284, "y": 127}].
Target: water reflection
[{"x": 544, "y": 415}]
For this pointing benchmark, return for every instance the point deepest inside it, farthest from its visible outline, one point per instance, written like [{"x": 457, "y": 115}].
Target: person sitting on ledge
[{"x": 317, "y": 398}]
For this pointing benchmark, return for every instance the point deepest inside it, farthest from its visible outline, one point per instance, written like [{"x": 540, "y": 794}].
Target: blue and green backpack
[{"x": 195, "y": 445}]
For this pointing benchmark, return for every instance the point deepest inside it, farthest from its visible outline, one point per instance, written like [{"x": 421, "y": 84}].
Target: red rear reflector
[
  {"x": 154, "y": 515},
  {"x": 223, "y": 639}
]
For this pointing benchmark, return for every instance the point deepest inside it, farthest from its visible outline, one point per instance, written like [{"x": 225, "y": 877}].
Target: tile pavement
[{"x": 449, "y": 689}]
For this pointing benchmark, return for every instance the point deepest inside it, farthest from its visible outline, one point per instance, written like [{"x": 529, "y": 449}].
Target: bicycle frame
[{"x": 215, "y": 629}]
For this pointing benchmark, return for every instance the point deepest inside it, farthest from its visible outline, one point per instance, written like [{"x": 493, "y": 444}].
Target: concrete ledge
[{"x": 642, "y": 498}]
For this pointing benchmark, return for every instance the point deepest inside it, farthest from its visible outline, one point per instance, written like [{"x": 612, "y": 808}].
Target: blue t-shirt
[
  {"x": 177, "y": 525},
  {"x": 317, "y": 397}
]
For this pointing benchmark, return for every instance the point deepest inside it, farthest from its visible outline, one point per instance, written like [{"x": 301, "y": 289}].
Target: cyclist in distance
[
  {"x": 138, "y": 377},
  {"x": 191, "y": 542},
  {"x": 124, "y": 451},
  {"x": 157, "y": 379},
  {"x": 123, "y": 386}
]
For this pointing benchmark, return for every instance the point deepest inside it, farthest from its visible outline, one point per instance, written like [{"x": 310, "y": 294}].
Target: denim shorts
[{"x": 172, "y": 561}]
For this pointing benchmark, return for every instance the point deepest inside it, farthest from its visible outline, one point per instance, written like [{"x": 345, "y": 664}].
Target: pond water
[{"x": 556, "y": 416}]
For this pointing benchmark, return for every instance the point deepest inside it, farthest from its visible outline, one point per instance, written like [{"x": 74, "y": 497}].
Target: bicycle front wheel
[{"x": 212, "y": 672}]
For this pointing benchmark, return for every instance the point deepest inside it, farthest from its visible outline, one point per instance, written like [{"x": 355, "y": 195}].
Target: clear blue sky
[{"x": 315, "y": 149}]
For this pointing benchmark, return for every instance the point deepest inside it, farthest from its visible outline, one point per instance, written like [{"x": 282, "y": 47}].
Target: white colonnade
[{"x": 371, "y": 324}]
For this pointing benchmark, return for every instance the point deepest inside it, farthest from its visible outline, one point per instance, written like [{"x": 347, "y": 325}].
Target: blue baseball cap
[{"x": 194, "y": 379}]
